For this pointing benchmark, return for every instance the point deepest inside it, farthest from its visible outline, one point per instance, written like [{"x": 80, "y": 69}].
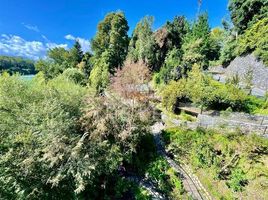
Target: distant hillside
[{"x": 17, "y": 64}]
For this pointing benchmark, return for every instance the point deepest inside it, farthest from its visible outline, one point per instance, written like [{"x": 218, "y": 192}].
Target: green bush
[
  {"x": 157, "y": 171},
  {"x": 166, "y": 178},
  {"x": 255, "y": 39},
  {"x": 121, "y": 187},
  {"x": 173, "y": 92},
  {"x": 264, "y": 108},
  {"x": 180, "y": 140},
  {"x": 146, "y": 154},
  {"x": 238, "y": 180},
  {"x": 99, "y": 76},
  {"x": 203, "y": 154},
  {"x": 203, "y": 91},
  {"x": 171, "y": 70},
  {"x": 213, "y": 151},
  {"x": 75, "y": 75},
  {"x": 38, "y": 125},
  {"x": 229, "y": 51}
]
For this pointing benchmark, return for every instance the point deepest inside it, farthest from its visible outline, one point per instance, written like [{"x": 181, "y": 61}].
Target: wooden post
[{"x": 262, "y": 120}]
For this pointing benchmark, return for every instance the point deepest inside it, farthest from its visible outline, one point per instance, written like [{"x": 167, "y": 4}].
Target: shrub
[
  {"x": 206, "y": 92},
  {"x": 75, "y": 75},
  {"x": 99, "y": 76},
  {"x": 229, "y": 51},
  {"x": 166, "y": 178},
  {"x": 174, "y": 92},
  {"x": 203, "y": 154},
  {"x": 38, "y": 131},
  {"x": 171, "y": 70},
  {"x": 157, "y": 171},
  {"x": 255, "y": 39},
  {"x": 131, "y": 82},
  {"x": 222, "y": 155},
  {"x": 192, "y": 53},
  {"x": 237, "y": 180}
]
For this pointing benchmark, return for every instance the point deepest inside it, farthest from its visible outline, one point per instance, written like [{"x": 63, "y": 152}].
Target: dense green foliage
[
  {"x": 38, "y": 122},
  {"x": 17, "y": 65},
  {"x": 229, "y": 51},
  {"x": 176, "y": 31},
  {"x": 249, "y": 33},
  {"x": 110, "y": 47},
  {"x": 143, "y": 45},
  {"x": 171, "y": 69},
  {"x": 255, "y": 40},
  {"x": 166, "y": 178},
  {"x": 223, "y": 159},
  {"x": 99, "y": 77},
  {"x": 49, "y": 129},
  {"x": 75, "y": 75},
  {"x": 112, "y": 37},
  {"x": 60, "y": 59},
  {"x": 81, "y": 128},
  {"x": 205, "y": 92},
  {"x": 198, "y": 44},
  {"x": 245, "y": 13}
]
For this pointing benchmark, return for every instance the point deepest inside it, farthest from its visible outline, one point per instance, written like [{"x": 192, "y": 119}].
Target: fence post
[{"x": 262, "y": 120}]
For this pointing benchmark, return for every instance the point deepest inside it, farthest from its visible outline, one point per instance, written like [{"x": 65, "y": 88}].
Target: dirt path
[
  {"x": 148, "y": 185},
  {"x": 190, "y": 182}
]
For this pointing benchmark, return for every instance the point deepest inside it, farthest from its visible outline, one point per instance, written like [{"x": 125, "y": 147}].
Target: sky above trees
[{"x": 28, "y": 28}]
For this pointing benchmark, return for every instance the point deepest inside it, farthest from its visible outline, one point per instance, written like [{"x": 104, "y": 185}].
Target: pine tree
[
  {"x": 143, "y": 46},
  {"x": 76, "y": 54},
  {"x": 112, "y": 36},
  {"x": 198, "y": 40},
  {"x": 245, "y": 13}
]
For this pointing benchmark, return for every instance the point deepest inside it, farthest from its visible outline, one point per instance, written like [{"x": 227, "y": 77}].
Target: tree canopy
[
  {"x": 143, "y": 46},
  {"x": 17, "y": 65},
  {"x": 112, "y": 37},
  {"x": 245, "y": 13}
]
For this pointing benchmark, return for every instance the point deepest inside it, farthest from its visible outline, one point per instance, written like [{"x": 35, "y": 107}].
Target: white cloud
[
  {"x": 52, "y": 45},
  {"x": 69, "y": 37},
  {"x": 85, "y": 44},
  {"x": 45, "y": 38},
  {"x": 31, "y": 27},
  {"x": 4, "y": 36},
  {"x": 17, "y": 46}
]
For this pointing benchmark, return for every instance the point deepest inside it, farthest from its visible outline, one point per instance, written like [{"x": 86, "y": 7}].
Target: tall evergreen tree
[
  {"x": 99, "y": 76},
  {"x": 199, "y": 37},
  {"x": 177, "y": 30},
  {"x": 244, "y": 13},
  {"x": 143, "y": 45},
  {"x": 110, "y": 47},
  {"x": 201, "y": 27},
  {"x": 76, "y": 53},
  {"x": 112, "y": 36}
]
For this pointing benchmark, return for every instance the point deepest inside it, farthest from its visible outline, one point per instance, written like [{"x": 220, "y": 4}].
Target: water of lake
[{"x": 27, "y": 77}]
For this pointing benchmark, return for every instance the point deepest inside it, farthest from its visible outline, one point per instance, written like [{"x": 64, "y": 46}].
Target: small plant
[
  {"x": 166, "y": 178},
  {"x": 226, "y": 112},
  {"x": 248, "y": 78},
  {"x": 187, "y": 117},
  {"x": 237, "y": 180},
  {"x": 235, "y": 80}
]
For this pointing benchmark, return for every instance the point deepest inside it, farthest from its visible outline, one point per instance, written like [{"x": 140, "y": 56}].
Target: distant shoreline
[{"x": 28, "y": 77}]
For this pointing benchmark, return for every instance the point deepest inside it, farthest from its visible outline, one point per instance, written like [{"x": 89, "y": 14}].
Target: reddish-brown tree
[{"x": 132, "y": 82}]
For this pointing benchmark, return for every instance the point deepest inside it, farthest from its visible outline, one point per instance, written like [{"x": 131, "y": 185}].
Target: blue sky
[{"x": 29, "y": 27}]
